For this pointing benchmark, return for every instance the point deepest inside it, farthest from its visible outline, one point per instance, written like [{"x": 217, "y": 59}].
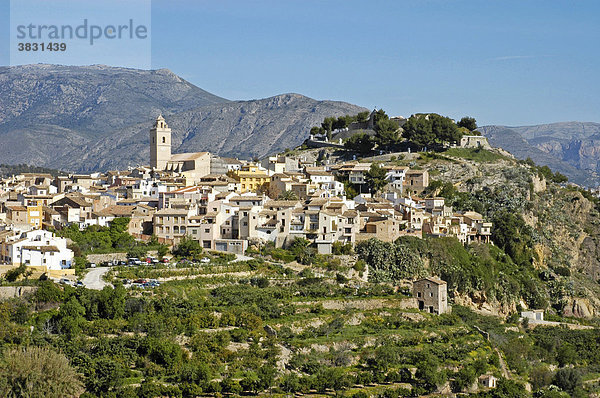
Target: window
[
  {"x": 164, "y": 140},
  {"x": 206, "y": 230},
  {"x": 245, "y": 223}
]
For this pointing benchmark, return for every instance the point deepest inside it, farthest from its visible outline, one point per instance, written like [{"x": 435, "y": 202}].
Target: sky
[{"x": 502, "y": 62}]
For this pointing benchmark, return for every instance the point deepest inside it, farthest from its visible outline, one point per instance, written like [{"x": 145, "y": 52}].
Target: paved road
[{"x": 93, "y": 279}]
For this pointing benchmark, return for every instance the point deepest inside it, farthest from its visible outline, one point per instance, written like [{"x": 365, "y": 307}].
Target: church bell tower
[{"x": 160, "y": 144}]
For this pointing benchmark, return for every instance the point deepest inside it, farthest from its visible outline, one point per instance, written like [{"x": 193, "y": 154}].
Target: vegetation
[
  {"x": 361, "y": 143},
  {"x": 468, "y": 122},
  {"x": 37, "y": 372},
  {"x": 478, "y": 155},
  {"x": 426, "y": 130},
  {"x": 376, "y": 178},
  {"x": 16, "y": 169}
]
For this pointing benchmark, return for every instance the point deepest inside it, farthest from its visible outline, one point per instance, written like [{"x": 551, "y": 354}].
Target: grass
[{"x": 475, "y": 154}]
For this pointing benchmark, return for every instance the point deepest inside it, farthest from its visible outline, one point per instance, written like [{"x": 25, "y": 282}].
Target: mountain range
[
  {"x": 571, "y": 148},
  {"x": 85, "y": 118}
]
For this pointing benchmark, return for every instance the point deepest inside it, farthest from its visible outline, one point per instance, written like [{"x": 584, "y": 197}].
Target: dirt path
[{"x": 503, "y": 367}]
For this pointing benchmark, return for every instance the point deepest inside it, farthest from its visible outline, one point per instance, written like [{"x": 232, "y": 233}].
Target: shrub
[{"x": 37, "y": 372}]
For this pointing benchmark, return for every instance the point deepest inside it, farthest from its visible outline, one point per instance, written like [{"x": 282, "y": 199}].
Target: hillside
[
  {"x": 292, "y": 321},
  {"x": 571, "y": 148},
  {"x": 97, "y": 117}
]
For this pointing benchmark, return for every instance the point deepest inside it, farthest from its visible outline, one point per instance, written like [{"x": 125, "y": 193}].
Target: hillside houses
[{"x": 233, "y": 203}]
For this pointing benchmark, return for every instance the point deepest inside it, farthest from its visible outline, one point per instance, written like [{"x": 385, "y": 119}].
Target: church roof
[{"x": 181, "y": 157}]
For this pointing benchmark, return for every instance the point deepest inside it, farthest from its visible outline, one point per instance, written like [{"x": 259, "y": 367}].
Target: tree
[
  {"x": 380, "y": 115},
  {"x": 513, "y": 235},
  {"x": 37, "y": 372},
  {"x": 444, "y": 129},
  {"x": 360, "y": 142},
  {"x": 386, "y": 132},
  {"x": 316, "y": 130},
  {"x": 112, "y": 302},
  {"x": 375, "y": 178},
  {"x": 468, "y": 122},
  {"x": 390, "y": 262},
  {"x": 104, "y": 374},
  {"x": 288, "y": 195},
  {"x": 568, "y": 379},
  {"x": 14, "y": 274},
  {"x": 418, "y": 130},
  {"x": 362, "y": 116},
  {"x": 162, "y": 251},
  {"x": 426, "y": 130},
  {"x": 137, "y": 252},
  {"x": 187, "y": 247},
  {"x": 328, "y": 124},
  {"x": 342, "y": 122}
]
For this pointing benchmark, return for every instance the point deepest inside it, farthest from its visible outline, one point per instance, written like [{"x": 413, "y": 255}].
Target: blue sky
[{"x": 503, "y": 62}]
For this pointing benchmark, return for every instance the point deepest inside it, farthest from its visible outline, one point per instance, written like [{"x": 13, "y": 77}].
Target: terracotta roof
[{"x": 116, "y": 210}]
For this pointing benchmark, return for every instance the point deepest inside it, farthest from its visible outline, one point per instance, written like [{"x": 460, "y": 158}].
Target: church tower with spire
[{"x": 160, "y": 144}]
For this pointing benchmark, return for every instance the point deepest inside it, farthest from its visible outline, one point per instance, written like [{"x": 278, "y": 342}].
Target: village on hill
[
  {"x": 352, "y": 264},
  {"x": 230, "y": 205}
]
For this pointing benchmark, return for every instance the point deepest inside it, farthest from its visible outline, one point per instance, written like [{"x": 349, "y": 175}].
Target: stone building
[
  {"x": 193, "y": 166},
  {"x": 431, "y": 295}
]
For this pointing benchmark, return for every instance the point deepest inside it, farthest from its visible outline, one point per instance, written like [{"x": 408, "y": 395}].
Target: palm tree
[{"x": 288, "y": 195}]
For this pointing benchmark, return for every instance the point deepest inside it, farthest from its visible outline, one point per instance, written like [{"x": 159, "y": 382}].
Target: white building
[{"x": 39, "y": 249}]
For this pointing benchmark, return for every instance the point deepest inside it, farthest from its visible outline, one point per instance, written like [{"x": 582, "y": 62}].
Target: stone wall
[{"x": 8, "y": 292}]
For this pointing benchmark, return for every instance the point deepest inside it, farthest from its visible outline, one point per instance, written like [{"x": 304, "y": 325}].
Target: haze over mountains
[{"x": 97, "y": 118}]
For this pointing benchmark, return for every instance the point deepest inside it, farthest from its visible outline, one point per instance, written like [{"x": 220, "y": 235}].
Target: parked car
[
  {"x": 64, "y": 281},
  {"x": 134, "y": 261},
  {"x": 79, "y": 284},
  {"x": 92, "y": 265},
  {"x": 205, "y": 260}
]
